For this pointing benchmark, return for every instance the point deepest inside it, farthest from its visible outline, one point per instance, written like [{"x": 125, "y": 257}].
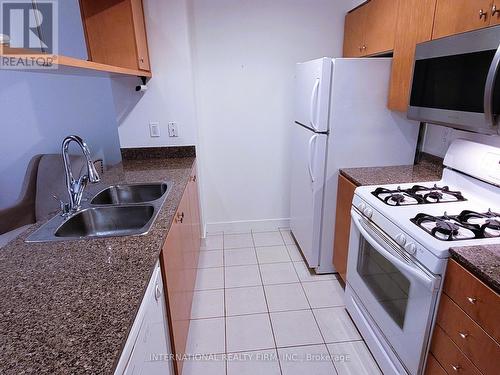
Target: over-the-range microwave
[{"x": 455, "y": 81}]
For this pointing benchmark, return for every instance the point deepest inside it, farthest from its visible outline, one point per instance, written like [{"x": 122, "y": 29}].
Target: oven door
[
  {"x": 398, "y": 294},
  {"x": 455, "y": 81}
]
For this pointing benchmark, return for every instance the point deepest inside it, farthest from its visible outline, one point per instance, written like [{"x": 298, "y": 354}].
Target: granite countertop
[
  {"x": 429, "y": 169},
  {"x": 482, "y": 261},
  {"x": 67, "y": 307}
]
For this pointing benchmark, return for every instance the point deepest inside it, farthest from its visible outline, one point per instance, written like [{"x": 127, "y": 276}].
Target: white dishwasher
[{"x": 148, "y": 349}]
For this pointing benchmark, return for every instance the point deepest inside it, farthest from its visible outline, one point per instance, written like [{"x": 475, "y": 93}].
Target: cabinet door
[
  {"x": 380, "y": 26},
  {"x": 354, "y": 32},
  {"x": 414, "y": 26},
  {"x": 141, "y": 39},
  {"x": 174, "y": 276},
  {"x": 458, "y": 16},
  {"x": 345, "y": 193}
]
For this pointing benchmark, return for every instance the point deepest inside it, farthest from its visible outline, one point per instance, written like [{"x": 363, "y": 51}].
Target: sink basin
[
  {"x": 130, "y": 194},
  {"x": 107, "y": 221}
]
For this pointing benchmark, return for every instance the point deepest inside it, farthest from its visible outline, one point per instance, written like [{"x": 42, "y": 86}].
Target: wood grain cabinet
[
  {"x": 458, "y": 16},
  {"x": 370, "y": 29},
  {"x": 414, "y": 25},
  {"x": 115, "y": 31},
  {"x": 465, "y": 338},
  {"x": 345, "y": 193},
  {"x": 179, "y": 262}
]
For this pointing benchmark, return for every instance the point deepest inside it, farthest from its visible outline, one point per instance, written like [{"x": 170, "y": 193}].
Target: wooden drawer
[
  {"x": 471, "y": 339},
  {"x": 433, "y": 367},
  {"x": 481, "y": 303},
  {"x": 449, "y": 356}
]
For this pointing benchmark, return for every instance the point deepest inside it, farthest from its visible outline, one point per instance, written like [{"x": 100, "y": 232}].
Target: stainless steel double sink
[{"x": 118, "y": 210}]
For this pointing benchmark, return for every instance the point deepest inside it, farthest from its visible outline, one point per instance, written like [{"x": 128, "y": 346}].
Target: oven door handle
[
  {"x": 490, "y": 89},
  {"x": 413, "y": 272}
]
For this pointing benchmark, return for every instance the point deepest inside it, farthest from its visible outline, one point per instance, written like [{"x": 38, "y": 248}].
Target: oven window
[
  {"x": 454, "y": 82},
  {"x": 386, "y": 283}
]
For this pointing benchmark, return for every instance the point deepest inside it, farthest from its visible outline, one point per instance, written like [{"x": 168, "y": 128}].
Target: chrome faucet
[{"x": 76, "y": 187}]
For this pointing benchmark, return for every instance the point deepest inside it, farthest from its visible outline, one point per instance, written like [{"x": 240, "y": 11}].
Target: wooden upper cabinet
[
  {"x": 354, "y": 33},
  {"x": 380, "y": 25},
  {"x": 414, "y": 26},
  {"x": 116, "y": 33},
  {"x": 370, "y": 28},
  {"x": 458, "y": 16}
]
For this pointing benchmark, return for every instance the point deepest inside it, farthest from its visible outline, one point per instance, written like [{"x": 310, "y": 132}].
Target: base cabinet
[
  {"x": 345, "y": 193},
  {"x": 179, "y": 262}
]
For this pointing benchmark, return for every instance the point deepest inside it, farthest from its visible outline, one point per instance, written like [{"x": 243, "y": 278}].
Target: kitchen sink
[
  {"x": 107, "y": 221},
  {"x": 118, "y": 210},
  {"x": 128, "y": 194}
]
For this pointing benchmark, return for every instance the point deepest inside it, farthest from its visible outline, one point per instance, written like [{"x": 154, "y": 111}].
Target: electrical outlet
[
  {"x": 154, "y": 129},
  {"x": 173, "y": 129}
]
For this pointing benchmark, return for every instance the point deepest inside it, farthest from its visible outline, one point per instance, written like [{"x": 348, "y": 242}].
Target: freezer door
[
  {"x": 312, "y": 93},
  {"x": 308, "y": 172}
]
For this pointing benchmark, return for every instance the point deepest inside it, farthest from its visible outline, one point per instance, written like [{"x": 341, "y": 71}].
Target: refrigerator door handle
[
  {"x": 314, "y": 104},
  {"x": 311, "y": 156}
]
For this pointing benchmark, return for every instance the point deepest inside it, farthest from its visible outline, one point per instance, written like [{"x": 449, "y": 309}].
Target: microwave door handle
[
  {"x": 400, "y": 264},
  {"x": 489, "y": 90}
]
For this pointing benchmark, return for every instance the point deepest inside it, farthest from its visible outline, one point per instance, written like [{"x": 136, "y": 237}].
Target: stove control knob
[
  {"x": 400, "y": 239},
  {"x": 411, "y": 248},
  {"x": 362, "y": 207},
  {"x": 368, "y": 212}
]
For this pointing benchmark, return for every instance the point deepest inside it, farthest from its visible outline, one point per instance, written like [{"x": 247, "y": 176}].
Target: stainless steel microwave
[{"x": 455, "y": 81}]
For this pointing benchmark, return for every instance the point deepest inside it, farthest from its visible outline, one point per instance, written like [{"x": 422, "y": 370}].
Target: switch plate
[
  {"x": 154, "y": 129},
  {"x": 173, "y": 129}
]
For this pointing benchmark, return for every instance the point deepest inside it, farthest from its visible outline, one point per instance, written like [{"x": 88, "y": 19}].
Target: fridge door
[
  {"x": 312, "y": 93},
  {"x": 308, "y": 174}
]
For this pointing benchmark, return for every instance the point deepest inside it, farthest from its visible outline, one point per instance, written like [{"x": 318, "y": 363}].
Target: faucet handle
[{"x": 64, "y": 207}]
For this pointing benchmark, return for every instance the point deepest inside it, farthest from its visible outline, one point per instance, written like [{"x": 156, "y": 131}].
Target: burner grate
[
  {"x": 465, "y": 226},
  {"x": 418, "y": 194}
]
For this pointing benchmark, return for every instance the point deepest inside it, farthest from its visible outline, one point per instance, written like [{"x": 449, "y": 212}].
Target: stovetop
[
  {"x": 467, "y": 225},
  {"x": 418, "y": 194}
]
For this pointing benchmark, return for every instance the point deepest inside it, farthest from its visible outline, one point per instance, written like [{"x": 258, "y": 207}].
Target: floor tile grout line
[{"x": 267, "y": 306}]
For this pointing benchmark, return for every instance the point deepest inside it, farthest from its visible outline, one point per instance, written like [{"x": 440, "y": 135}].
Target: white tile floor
[{"x": 258, "y": 310}]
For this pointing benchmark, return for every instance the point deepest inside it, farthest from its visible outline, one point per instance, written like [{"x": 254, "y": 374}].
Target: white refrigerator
[{"x": 341, "y": 121}]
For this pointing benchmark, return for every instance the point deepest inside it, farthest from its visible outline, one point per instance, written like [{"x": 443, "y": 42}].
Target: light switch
[{"x": 154, "y": 129}]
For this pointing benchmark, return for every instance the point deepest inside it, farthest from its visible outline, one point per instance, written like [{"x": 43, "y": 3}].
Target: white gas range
[{"x": 399, "y": 245}]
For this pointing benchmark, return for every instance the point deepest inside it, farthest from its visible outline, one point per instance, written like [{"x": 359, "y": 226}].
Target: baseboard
[{"x": 247, "y": 226}]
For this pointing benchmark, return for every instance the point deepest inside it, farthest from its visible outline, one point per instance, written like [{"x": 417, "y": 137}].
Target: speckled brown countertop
[
  {"x": 482, "y": 261},
  {"x": 429, "y": 169},
  {"x": 67, "y": 307}
]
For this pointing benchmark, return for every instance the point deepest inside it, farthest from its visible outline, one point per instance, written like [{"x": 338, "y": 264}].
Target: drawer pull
[
  {"x": 482, "y": 14},
  {"x": 456, "y": 368},
  {"x": 472, "y": 300},
  {"x": 494, "y": 10},
  {"x": 463, "y": 335}
]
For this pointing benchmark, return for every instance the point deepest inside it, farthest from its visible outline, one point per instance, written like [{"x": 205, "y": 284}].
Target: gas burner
[
  {"x": 465, "y": 226},
  {"x": 418, "y": 194}
]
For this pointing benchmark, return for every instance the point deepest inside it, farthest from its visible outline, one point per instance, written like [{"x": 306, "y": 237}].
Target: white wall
[
  {"x": 438, "y": 139},
  {"x": 171, "y": 92},
  {"x": 244, "y": 56}
]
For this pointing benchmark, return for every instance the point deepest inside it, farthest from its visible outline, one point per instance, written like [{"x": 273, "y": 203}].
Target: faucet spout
[{"x": 76, "y": 187}]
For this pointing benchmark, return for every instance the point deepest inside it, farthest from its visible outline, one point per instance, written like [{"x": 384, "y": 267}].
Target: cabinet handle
[
  {"x": 472, "y": 300},
  {"x": 142, "y": 59},
  {"x": 456, "y": 368},
  {"x": 180, "y": 217},
  {"x": 482, "y": 14},
  {"x": 494, "y": 10},
  {"x": 463, "y": 335},
  {"x": 193, "y": 178}
]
